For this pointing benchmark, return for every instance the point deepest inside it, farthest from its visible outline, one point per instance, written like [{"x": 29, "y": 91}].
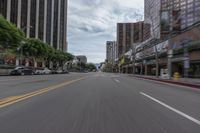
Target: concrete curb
[{"x": 170, "y": 82}]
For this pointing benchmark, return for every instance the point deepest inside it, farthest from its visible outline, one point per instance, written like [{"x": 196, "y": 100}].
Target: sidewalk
[{"x": 188, "y": 82}]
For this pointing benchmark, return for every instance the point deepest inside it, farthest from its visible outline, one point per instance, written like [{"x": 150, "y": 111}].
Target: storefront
[
  {"x": 147, "y": 58},
  {"x": 194, "y": 64},
  {"x": 186, "y": 52}
]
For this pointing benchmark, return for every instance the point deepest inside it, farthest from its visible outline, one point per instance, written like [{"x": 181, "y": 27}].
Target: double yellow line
[{"x": 11, "y": 100}]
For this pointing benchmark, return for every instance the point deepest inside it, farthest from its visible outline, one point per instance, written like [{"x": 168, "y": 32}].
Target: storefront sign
[{"x": 163, "y": 46}]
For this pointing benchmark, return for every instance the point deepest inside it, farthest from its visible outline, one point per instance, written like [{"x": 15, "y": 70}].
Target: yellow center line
[{"x": 14, "y": 99}]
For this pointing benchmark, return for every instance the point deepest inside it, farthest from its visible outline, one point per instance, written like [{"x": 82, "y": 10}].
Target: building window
[
  {"x": 24, "y": 15},
  {"x": 49, "y": 16},
  {"x": 62, "y": 23},
  {"x": 41, "y": 20},
  {"x": 33, "y": 18},
  {"x": 3, "y": 7},
  {"x": 55, "y": 27},
  {"x": 14, "y": 11}
]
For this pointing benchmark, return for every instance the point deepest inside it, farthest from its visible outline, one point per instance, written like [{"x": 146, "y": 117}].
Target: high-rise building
[
  {"x": 130, "y": 33},
  {"x": 111, "y": 51},
  {"x": 152, "y": 16},
  {"x": 166, "y": 16},
  {"x": 182, "y": 13},
  {"x": 42, "y": 19}
]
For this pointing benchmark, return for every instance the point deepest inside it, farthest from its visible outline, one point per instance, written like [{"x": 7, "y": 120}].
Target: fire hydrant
[{"x": 176, "y": 76}]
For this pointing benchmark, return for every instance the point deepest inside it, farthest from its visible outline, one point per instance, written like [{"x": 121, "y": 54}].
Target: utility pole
[
  {"x": 133, "y": 56},
  {"x": 170, "y": 55},
  {"x": 186, "y": 61}
]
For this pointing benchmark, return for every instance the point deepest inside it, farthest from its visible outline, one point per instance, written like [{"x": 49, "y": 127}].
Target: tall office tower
[
  {"x": 166, "y": 16},
  {"x": 182, "y": 13},
  {"x": 152, "y": 16},
  {"x": 42, "y": 19},
  {"x": 111, "y": 51},
  {"x": 130, "y": 33}
]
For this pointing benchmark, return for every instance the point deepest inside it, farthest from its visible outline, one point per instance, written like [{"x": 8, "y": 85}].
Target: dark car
[
  {"x": 22, "y": 71},
  {"x": 65, "y": 72}
]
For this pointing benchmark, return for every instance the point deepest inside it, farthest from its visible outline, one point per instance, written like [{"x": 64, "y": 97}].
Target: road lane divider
[
  {"x": 14, "y": 99},
  {"x": 116, "y": 80},
  {"x": 172, "y": 109}
]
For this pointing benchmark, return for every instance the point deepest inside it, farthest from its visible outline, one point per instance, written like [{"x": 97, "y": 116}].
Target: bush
[{"x": 7, "y": 66}]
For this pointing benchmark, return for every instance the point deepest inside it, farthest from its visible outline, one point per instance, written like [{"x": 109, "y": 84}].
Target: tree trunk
[
  {"x": 146, "y": 70},
  {"x": 157, "y": 62},
  {"x": 17, "y": 62},
  {"x": 141, "y": 71},
  {"x": 43, "y": 64},
  {"x": 26, "y": 62},
  {"x": 134, "y": 67},
  {"x": 51, "y": 65},
  {"x": 157, "y": 65},
  {"x": 35, "y": 62},
  {"x": 57, "y": 64}
]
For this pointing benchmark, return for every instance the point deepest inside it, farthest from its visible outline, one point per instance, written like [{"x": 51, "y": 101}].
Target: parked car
[
  {"x": 65, "y": 71},
  {"x": 42, "y": 71},
  {"x": 59, "y": 71},
  {"x": 46, "y": 71},
  {"x": 22, "y": 71}
]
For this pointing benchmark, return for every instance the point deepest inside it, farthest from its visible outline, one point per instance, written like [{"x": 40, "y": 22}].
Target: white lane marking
[
  {"x": 173, "y": 109},
  {"x": 117, "y": 80}
]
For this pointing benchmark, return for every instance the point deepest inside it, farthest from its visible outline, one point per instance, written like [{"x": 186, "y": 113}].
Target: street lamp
[
  {"x": 133, "y": 55},
  {"x": 26, "y": 27},
  {"x": 20, "y": 49},
  {"x": 186, "y": 58}
]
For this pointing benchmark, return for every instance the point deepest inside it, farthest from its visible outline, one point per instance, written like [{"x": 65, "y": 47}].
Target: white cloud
[{"x": 93, "y": 22}]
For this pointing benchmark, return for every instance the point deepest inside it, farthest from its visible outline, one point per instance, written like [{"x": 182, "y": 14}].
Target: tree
[
  {"x": 60, "y": 56},
  {"x": 10, "y": 35},
  {"x": 8, "y": 56},
  {"x": 90, "y": 67},
  {"x": 57, "y": 56},
  {"x": 36, "y": 49}
]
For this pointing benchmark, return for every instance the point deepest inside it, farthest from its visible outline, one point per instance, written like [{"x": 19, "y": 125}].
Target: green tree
[
  {"x": 10, "y": 35},
  {"x": 36, "y": 49},
  {"x": 60, "y": 56},
  {"x": 90, "y": 67}
]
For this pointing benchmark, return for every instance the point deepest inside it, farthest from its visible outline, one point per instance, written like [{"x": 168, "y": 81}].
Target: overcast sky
[{"x": 93, "y": 22}]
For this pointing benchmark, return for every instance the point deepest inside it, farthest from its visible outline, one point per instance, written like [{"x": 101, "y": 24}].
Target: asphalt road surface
[{"x": 96, "y": 103}]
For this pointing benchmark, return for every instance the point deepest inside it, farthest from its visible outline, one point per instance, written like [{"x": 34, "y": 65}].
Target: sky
[{"x": 93, "y": 22}]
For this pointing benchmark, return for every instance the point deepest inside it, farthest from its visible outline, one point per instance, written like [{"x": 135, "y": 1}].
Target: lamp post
[
  {"x": 186, "y": 60},
  {"x": 20, "y": 50},
  {"x": 133, "y": 56},
  {"x": 170, "y": 55}
]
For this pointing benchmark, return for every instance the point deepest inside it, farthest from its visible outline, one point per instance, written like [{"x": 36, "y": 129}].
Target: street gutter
[{"x": 196, "y": 86}]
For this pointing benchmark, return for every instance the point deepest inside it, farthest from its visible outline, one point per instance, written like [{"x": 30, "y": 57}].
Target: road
[{"x": 96, "y": 103}]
